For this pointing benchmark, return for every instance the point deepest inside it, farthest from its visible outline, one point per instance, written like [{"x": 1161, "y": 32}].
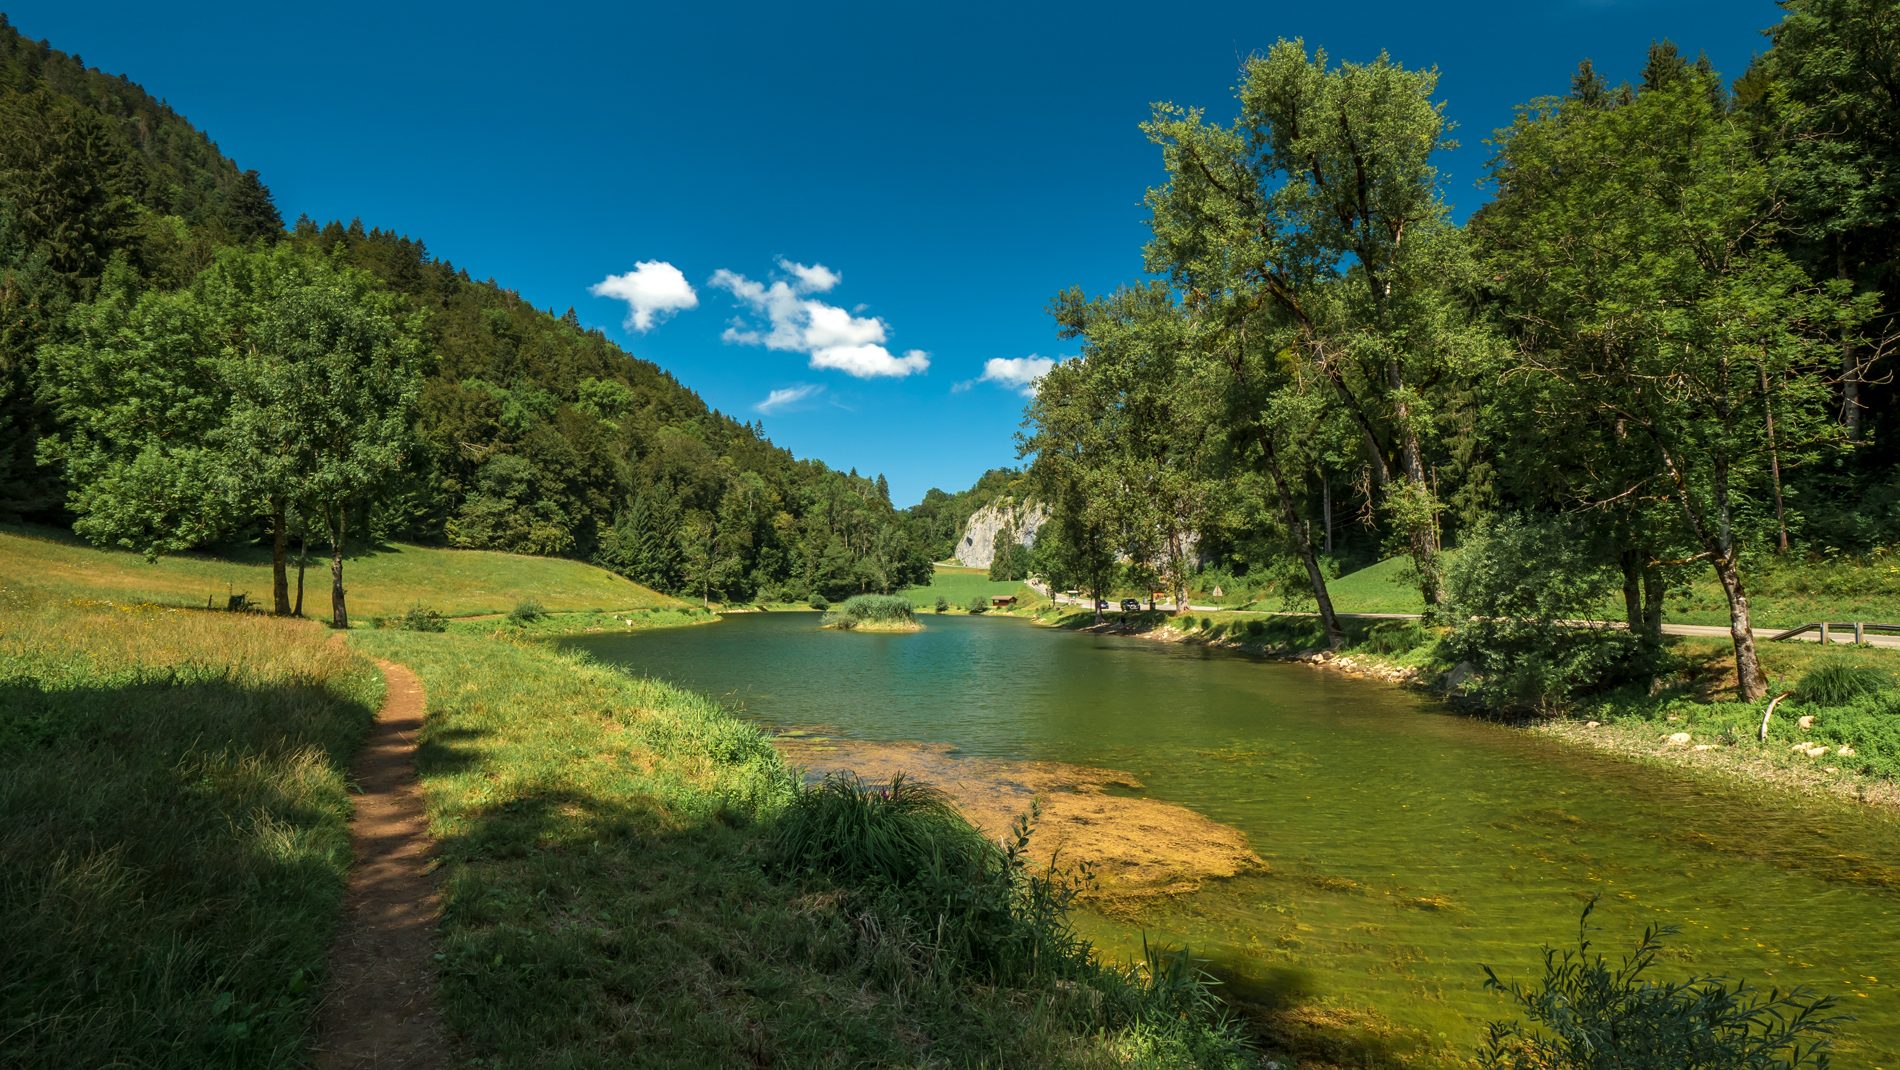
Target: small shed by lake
[{"x": 1001, "y": 600}]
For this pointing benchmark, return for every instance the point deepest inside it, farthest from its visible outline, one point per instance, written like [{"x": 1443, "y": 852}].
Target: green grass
[
  {"x": 615, "y": 893},
  {"x": 958, "y": 586},
  {"x": 385, "y": 582},
  {"x": 175, "y": 838}
]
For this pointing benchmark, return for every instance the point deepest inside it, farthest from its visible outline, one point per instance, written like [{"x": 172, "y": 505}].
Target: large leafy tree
[
  {"x": 1636, "y": 239},
  {"x": 275, "y": 386},
  {"x": 1321, "y": 200}
]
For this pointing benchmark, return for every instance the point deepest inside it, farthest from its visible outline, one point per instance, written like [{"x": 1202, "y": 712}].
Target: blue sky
[{"x": 891, "y": 192}]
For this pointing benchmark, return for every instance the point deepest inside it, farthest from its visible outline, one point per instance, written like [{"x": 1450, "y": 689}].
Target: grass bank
[
  {"x": 382, "y": 582},
  {"x": 617, "y": 888},
  {"x": 175, "y": 840}
]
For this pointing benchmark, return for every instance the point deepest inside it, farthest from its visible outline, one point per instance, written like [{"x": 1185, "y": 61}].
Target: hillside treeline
[
  {"x": 157, "y": 317},
  {"x": 1662, "y": 348}
]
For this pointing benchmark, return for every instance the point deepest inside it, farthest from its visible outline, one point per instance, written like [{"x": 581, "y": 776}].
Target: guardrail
[{"x": 1827, "y": 628}]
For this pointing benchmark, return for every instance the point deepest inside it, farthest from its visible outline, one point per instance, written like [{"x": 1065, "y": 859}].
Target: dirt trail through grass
[{"x": 379, "y": 1010}]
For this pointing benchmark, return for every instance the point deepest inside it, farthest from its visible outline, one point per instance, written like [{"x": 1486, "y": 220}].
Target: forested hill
[{"x": 531, "y": 434}]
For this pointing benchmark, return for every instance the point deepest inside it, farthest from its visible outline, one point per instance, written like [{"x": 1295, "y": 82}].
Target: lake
[{"x": 1405, "y": 845}]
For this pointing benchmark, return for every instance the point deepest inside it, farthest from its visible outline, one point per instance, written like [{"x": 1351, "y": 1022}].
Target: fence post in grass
[
  {"x": 1824, "y": 639},
  {"x": 1860, "y": 633}
]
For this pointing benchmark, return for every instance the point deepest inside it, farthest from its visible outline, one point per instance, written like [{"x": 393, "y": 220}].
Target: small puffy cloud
[
  {"x": 653, "y": 290},
  {"x": 832, "y": 337},
  {"x": 871, "y": 361},
  {"x": 1017, "y": 373},
  {"x": 788, "y": 396}
]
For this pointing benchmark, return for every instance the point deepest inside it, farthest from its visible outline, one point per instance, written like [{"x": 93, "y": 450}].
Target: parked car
[
  {"x": 1131, "y": 605},
  {"x": 1101, "y": 603}
]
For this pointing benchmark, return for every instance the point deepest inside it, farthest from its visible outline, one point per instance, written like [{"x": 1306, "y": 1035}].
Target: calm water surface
[{"x": 1407, "y": 845}]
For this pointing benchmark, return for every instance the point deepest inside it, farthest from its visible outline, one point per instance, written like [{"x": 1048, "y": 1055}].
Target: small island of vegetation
[{"x": 873, "y": 613}]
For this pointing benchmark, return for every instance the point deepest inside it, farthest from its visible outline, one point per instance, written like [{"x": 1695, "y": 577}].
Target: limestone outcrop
[{"x": 977, "y": 547}]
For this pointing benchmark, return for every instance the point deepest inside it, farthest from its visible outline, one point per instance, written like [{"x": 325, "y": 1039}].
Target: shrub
[
  {"x": 1838, "y": 683},
  {"x": 943, "y": 604},
  {"x": 1595, "y": 1016},
  {"x": 1395, "y": 637},
  {"x": 979, "y": 604},
  {"x": 418, "y": 619},
  {"x": 1516, "y": 587},
  {"x": 526, "y": 611},
  {"x": 863, "y": 609},
  {"x": 819, "y": 602}
]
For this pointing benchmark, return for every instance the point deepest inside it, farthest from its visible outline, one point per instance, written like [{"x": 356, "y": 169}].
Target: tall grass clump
[
  {"x": 1395, "y": 637},
  {"x": 176, "y": 837},
  {"x": 967, "y": 906},
  {"x": 873, "y": 612},
  {"x": 1838, "y": 683}
]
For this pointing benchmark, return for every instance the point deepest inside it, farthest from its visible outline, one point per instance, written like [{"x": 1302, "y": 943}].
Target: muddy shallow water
[{"x": 1346, "y": 854}]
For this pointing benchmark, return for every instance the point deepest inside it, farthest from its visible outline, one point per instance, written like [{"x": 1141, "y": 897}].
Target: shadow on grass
[{"x": 175, "y": 858}]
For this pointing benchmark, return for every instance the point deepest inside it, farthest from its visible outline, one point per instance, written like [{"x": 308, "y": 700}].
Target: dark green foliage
[
  {"x": 943, "y": 604},
  {"x": 1590, "y": 1014},
  {"x": 979, "y": 604},
  {"x": 1521, "y": 591},
  {"x": 871, "y": 609},
  {"x": 526, "y": 612},
  {"x": 1009, "y": 560},
  {"x": 819, "y": 602},
  {"x": 420, "y": 619},
  {"x": 1840, "y": 684}
]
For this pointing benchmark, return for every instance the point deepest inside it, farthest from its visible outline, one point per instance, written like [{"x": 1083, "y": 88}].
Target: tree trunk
[
  {"x": 1178, "y": 574},
  {"x": 1326, "y": 511},
  {"x": 1717, "y": 541},
  {"x": 303, "y": 558},
  {"x": 1850, "y": 374},
  {"x": 1652, "y": 599},
  {"x": 1751, "y": 683},
  {"x": 339, "y": 613},
  {"x": 1301, "y": 534},
  {"x": 279, "y": 550},
  {"x": 1774, "y": 464},
  {"x": 1632, "y": 565}
]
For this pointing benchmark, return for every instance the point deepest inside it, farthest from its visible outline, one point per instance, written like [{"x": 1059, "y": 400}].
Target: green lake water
[{"x": 1406, "y": 845}]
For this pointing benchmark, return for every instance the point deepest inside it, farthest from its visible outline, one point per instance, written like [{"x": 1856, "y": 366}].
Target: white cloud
[
  {"x": 787, "y": 396},
  {"x": 831, "y": 336},
  {"x": 868, "y": 362},
  {"x": 653, "y": 290},
  {"x": 1017, "y": 373}
]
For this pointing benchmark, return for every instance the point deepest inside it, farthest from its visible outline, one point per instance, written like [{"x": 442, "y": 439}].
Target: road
[{"x": 1706, "y": 631}]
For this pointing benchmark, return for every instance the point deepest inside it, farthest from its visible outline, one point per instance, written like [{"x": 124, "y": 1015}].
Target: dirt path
[{"x": 379, "y": 1008}]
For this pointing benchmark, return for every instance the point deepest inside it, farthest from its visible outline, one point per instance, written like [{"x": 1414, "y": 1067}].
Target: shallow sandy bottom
[{"x": 1136, "y": 846}]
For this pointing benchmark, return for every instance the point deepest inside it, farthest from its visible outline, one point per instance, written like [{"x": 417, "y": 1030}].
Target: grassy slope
[
  {"x": 959, "y": 585},
  {"x": 175, "y": 838},
  {"x": 380, "y": 583},
  {"x": 607, "y": 899}
]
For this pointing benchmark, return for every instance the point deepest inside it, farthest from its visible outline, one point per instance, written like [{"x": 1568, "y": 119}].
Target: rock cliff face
[{"x": 977, "y": 547}]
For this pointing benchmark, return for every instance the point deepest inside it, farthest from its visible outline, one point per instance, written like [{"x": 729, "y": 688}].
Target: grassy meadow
[
  {"x": 382, "y": 582},
  {"x": 960, "y": 586},
  {"x": 175, "y": 840}
]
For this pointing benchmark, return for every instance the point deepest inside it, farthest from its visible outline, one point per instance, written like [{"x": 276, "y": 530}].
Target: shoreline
[{"x": 1732, "y": 764}]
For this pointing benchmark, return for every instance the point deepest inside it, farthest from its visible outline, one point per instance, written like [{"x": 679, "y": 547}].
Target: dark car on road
[{"x": 1131, "y": 605}]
